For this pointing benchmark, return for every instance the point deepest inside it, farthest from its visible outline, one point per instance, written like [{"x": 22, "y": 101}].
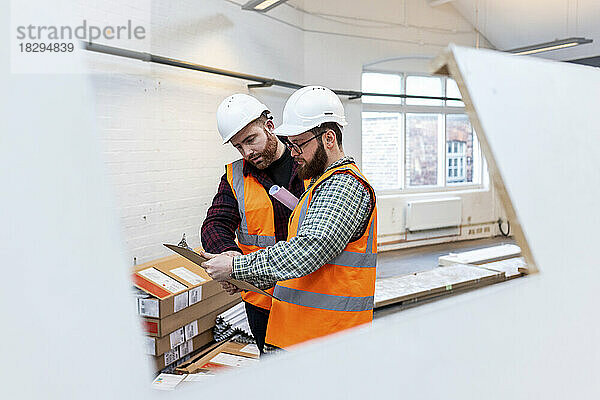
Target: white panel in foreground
[{"x": 535, "y": 337}]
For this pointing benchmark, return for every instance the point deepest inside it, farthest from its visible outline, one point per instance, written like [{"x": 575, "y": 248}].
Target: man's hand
[
  {"x": 232, "y": 253},
  {"x": 218, "y": 266},
  {"x": 230, "y": 287}
]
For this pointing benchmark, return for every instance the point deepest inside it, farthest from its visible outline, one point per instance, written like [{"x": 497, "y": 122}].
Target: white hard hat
[
  {"x": 309, "y": 107},
  {"x": 235, "y": 112}
]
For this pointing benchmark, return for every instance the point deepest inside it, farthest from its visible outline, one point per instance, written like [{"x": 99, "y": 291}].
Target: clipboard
[{"x": 198, "y": 260}]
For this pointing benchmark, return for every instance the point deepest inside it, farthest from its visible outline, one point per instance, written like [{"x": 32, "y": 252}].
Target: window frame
[{"x": 443, "y": 185}]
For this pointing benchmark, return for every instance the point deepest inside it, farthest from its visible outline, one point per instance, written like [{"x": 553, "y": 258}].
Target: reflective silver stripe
[
  {"x": 302, "y": 214},
  {"x": 237, "y": 179},
  {"x": 242, "y": 232},
  {"x": 323, "y": 301},
  {"x": 352, "y": 259},
  {"x": 254, "y": 240},
  {"x": 371, "y": 234}
]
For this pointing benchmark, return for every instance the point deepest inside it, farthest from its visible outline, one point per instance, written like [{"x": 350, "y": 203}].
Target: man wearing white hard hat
[
  {"x": 242, "y": 208},
  {"x": 324, "y": 274}
]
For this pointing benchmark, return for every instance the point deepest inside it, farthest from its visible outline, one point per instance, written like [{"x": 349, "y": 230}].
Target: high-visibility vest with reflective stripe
[
  {"x": 257, "y": 228},
  {"x": 337, "y": 296}
]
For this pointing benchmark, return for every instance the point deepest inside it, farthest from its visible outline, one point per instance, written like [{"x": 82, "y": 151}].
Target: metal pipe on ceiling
[{"x": 260, "y": 80}]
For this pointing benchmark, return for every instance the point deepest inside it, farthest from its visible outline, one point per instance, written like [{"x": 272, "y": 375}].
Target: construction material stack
[{"x": 178, "y": 303}]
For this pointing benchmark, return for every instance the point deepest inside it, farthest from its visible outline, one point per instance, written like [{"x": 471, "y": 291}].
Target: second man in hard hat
[
  {"x": 242, "y": 207},
  {"x": 324, "y": 274}
]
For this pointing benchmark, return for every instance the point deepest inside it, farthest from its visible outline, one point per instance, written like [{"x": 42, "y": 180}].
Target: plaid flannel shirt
[
  {"x": 338, "y": 214},
  {"x": 223, "y": 217}
]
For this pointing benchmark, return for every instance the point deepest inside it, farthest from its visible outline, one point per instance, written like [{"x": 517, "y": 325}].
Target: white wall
[{"x": 157, "y": 123}]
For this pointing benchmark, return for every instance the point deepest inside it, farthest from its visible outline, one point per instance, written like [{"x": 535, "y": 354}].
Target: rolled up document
[{"x": 284, "y": 196}]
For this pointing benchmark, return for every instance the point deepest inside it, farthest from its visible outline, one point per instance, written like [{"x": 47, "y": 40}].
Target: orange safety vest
[
  {"x": 257, "y": 229},
  {"x": 337, "y": 296}
]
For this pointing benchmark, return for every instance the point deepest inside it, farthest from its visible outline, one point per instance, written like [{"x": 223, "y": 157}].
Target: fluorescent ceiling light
[
  {"x": 555, "y": 45},
  {"x": 262, "y": 5}
]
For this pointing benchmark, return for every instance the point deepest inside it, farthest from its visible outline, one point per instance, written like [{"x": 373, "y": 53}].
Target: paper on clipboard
[{"x": 198, "y": 260}]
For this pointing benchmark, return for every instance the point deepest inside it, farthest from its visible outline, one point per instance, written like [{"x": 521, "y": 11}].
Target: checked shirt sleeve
[{"x": 340, "y": 206}]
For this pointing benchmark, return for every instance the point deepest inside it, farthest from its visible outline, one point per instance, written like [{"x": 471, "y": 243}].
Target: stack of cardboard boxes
[{"x": 178, "y": 303}]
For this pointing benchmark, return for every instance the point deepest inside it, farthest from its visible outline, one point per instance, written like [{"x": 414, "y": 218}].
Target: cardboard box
[
  {"x": 182, "y": 350},
  {"x": 219, "y": 356},
  {"x": 172, "y": 283},
  {"x": 161, "y": 345},
  {"x": 158, "y": 327}
]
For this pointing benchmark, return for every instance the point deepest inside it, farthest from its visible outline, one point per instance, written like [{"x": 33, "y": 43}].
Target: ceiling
[
  {"x": 506, "y": 24},
  {"x": 510, "y": 24}
]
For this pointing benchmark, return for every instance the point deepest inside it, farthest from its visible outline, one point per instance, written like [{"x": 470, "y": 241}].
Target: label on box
[
  {"x": 195, "y": 295},
  {"x": 148, "y": 307},
  {"x": 150, "y": 345},
  {"x": 232, "y": 361},
  {"x": 188, "y": 275},
  {"x": 186, "y": 348},
  {"x": 180, "y": 302},
  {"x": 191, "y": 330},
  {"x": 167, "y": 381},
  {"x": 150, "y": 327},
  {"x": 171, "y": 356},
  {"x": 251, "y": 349},
  {"x": 162, "y": 280},
  {"x": 177, "y": 337}
]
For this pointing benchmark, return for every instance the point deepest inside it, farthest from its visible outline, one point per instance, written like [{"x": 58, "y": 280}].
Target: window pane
[
  {"x": 460, "y": 135},
  {"x": 381, "y": 149},
  {"x": 452, "y": 91},
  {"x": 424, "y": 86},
  {"x": 381, "y": 83},
  {"x": 422, "y": 148}
]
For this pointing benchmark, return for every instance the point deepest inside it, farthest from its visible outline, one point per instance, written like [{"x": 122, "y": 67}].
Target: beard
[
  {"x": 268, "y": 154},
  {"x": 316, "y": 166}
]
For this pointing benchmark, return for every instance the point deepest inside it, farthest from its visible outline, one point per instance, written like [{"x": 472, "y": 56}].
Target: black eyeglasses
[{"x": 297, "y": 147}]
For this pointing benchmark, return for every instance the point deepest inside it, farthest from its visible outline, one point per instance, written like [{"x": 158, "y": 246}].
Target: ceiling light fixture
[
  {"x": 262, "y": 5},
  {"x": 555, "y": 45}
]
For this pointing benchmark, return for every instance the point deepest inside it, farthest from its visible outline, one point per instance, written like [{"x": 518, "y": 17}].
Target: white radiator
[{"x": 432, "y": 214}]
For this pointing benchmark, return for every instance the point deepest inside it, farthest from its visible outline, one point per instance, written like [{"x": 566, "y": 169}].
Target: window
[
  {"x": 381, "y": 83},
  {"x": 414, "y": 144},
  {"x": 459, "y": 155},
  {"x": 424, "y": 86},
  {"x": 456, "y": 162},
  {"x": 422, "y": 132},
  {"x": 384, "y": 164}
]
